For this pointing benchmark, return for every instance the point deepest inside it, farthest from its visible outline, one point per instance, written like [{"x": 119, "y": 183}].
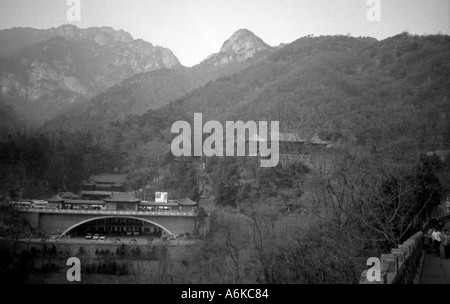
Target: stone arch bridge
[{"x": 61, "y": 221}]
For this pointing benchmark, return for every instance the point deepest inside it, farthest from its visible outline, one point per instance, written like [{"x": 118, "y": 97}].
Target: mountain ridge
[
  {"x": 68, "y": 64},
  {"x": 389, "y": 95},
  {"x": 155, "y": 89},
  {"x": 10, "y": 39}
]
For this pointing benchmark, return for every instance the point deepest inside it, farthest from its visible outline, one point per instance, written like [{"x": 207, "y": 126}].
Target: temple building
[
  {"x": 291, "y": 143},
  {"x": 316, "y": 141},
  {"x": 293, "y": 148},
  {"x": 187, "y": 205},
  {"x": 102, "y": 186},
  {"x": 122, "y": 202}
]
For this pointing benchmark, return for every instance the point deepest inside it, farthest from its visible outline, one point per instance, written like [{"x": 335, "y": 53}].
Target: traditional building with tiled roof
[{"x": 317, "y": 141}]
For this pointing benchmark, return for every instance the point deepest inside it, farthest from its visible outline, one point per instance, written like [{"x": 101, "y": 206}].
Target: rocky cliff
[{"x": 66, "y": 64}]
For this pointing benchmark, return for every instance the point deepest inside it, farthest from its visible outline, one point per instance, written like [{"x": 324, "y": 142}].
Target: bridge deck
[
  {"x": 436, "y": 270},
  {"x": 109, "y": 212}
]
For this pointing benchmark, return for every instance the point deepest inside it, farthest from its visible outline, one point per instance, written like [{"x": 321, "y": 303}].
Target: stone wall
[
  {"x": 175, "y": 249},
  {"x": 402, "y": 265}
]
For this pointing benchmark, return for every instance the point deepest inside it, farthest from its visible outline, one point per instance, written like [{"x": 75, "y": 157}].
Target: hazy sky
[{"x": 194, "y": 29}]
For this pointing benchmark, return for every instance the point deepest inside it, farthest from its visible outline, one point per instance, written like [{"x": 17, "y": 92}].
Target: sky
[{"x": 195, "y": 29}]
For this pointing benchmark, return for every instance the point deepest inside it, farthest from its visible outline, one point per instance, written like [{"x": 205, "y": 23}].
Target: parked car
[
  {"x": 88, "y": 236},
  {"x": 96, "y": 237},
  {"x": 129, "y": 233},
  {"x": 117, "y": 241},
  {"x": 136, "y": 233},
  {"x": 102, "y": 238}
]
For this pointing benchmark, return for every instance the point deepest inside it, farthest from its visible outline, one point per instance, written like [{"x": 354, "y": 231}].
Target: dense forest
[{"x": 383, "y": 105}]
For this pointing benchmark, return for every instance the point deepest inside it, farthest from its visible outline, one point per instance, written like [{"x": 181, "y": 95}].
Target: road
[
  {"x": 138, "y": 240},
  {"x": 436, "y": 270}
]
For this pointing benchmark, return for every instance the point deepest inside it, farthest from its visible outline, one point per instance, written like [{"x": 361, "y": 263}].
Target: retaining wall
[{"x": 403, "y": 265}]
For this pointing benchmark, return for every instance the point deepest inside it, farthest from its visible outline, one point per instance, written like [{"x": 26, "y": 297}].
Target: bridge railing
[
  {"x": 106, "y": 212},
  {"x": 403, "y": 265}
]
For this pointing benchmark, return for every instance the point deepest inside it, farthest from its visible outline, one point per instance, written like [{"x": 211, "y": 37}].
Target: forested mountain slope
[
  {"x": 156, "y": 89},
  {"x": 392, "y": 94}
]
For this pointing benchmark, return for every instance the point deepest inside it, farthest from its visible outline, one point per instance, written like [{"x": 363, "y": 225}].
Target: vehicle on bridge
[
  {"x": 40, "y": 204},
  {"x": 22, "y": 204}
]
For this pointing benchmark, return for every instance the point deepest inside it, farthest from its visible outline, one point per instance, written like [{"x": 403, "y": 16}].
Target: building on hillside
[
  {"x": 68, "y": 195},
  {"x": 122, "y": 202},
  {"x": 293, "y": 148},
  {"x": 96, "y": 195},
  {"x": 103, "y": 186},
  {"x": 108, "y": 179},
  {"x": 317, "y": 142},
  {"x": 105, "y": 183},
  {"x": 187, "y": 205},
  {"x": 291, "y": 143},
  {"x": 319, "y": 148},
  {"x": 288, "y": 143},
  {"x": 88, "y": 186},
  {"x": 55, "y": 202}
]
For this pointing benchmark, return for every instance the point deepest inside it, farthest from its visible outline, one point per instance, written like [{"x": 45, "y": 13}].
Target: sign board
[{"x": 161, "y": 197}]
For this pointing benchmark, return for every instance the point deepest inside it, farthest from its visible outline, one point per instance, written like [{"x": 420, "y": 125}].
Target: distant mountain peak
[
  {"x": 102, "y": 35},
  {"x": 242, "y": 45}
]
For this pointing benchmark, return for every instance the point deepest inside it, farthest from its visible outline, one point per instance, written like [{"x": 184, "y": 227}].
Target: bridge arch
[{"x": 116, "y": 216}]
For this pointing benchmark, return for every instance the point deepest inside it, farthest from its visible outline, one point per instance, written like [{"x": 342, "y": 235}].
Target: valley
[{"x": 359, "y": 118}]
